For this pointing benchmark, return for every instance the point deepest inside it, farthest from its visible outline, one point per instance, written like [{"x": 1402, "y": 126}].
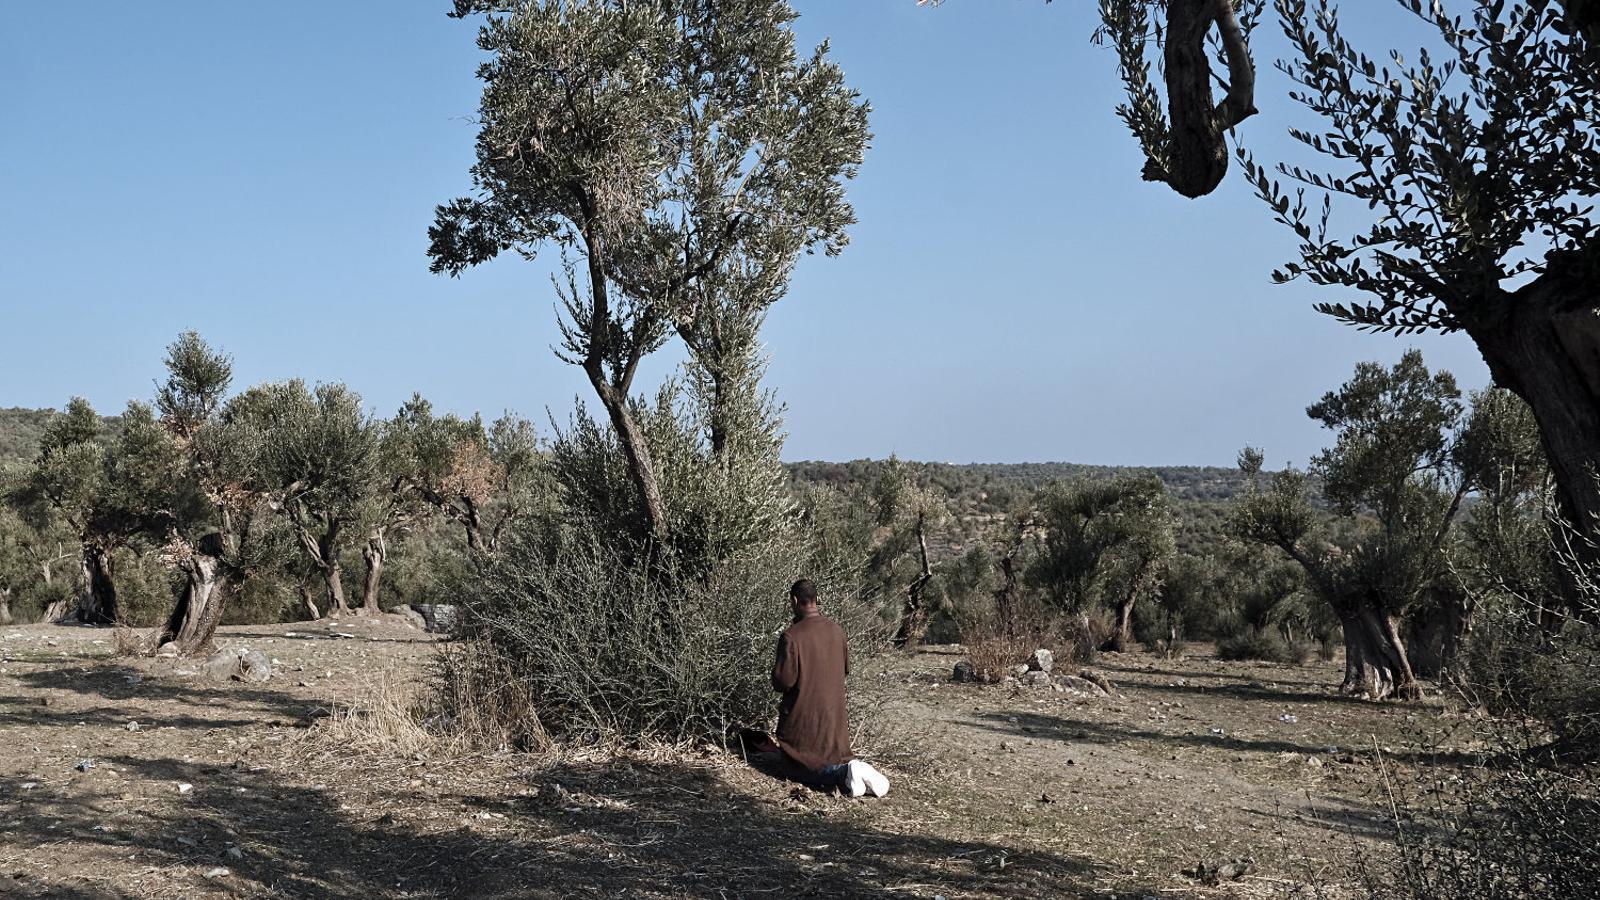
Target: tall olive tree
[
  {"x": 1393, "y": 472},
  {"x": 215, "y": 546},
  {"x": 658, "y": 146}
]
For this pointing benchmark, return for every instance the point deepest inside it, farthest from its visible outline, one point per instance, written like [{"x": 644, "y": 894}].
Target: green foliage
[
  {"x": 1266, "y": 644},
  {"x": 1391, "y": 474},
  {"x": 1097, "y": 535},
  {"x": 1473, "y": 155}
]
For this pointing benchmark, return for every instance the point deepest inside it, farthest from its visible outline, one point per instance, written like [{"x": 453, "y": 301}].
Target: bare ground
[{"x": 997, "y": 792}]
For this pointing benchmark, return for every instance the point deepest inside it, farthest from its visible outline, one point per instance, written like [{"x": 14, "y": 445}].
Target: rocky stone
[
  {"x": 1100, "y": 680},
  {"x": 1037, "y": 679},
  {"x": 1079, "y": 685},
  {"x": 965, "y": 673},
  {"x": 1215, "y": 872},
  {"x": 410, "y": 617},
  {"x": 1019, "y": 670},
  {"x": 1041, "y": 661},
  {"x": 237, "y": 664},
  {"x": 439, "y": 617}
]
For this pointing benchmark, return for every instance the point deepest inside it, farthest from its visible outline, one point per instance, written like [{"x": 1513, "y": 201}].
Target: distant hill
[{"x": 20, "y": 430}]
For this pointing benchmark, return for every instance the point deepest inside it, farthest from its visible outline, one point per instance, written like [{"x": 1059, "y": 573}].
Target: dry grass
[
  {"x": 131, "y": 641},
  {"x": 386, "y": 722},
  {"x": 483, "y": 701}
]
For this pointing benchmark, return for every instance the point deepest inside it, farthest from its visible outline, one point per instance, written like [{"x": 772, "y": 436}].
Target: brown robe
[{"x": 813, "y": 660}]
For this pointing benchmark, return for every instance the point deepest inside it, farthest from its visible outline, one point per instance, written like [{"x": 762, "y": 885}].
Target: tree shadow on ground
[
  {"x": 122, "y": 684},
  {"x": 615, "y": 829},
  {"x": 1040, "y": 725},
  {"x": 1258, "y": 691}
]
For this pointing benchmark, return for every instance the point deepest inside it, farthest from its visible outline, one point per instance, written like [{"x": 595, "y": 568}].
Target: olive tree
[
  {"x": 1474, "y": 166},
  {"x": 1393, "y": 472},
  {"x": 216, "y": 545},
  {"x": 659, "y": 147},
  {"x": 106, "y": 489},
  {"x": 904, "y": 512},
  {"x": 1102, "y": 540},
  {"x": 484, "y": 479},
  {"x": 315, "y": 467}
]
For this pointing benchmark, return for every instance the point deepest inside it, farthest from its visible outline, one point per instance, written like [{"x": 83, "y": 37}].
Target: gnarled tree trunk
[
  {"x": 1546, "y": 350},
  {"x": 194, "y": 620},
  {"x": 1375, "y": 662},
  {"x": 308, "y": 598},
  {"x": 97, "y": 604},
  {"x": 375, "y": 554},
  {"x": 1122, "y": 634}
]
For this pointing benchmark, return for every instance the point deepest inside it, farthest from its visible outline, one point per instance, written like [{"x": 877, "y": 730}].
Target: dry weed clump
[
  {"x": 994, "y": 647},
  {"x": 388, "y": 721},
  {"x": 482, "y": 701}
]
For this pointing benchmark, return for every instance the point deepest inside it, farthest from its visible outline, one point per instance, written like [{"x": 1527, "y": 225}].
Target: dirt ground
[{"x": 124, "y": 777}]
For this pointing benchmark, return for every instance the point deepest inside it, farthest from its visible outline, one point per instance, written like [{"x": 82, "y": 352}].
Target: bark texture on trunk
[
  {"x": 375, "y": 554},
  {"x": 1122, "y": 633},
  {"x": 1546, "y": 350},
  {"x": 334, "y": 581},
  {"x": 1005, "y": 599},
  {"x": 5, "y": 606},
  {"x": 97, "y": 605},
  {"x": 622, "y": 352},
  {"x": 1198, "y": 147},
  {"x": 1375, "y": 662},
  {"x": 637, "y": 451},
  {"x": 308, "y": 599},
  {"x": 194, "y": 620}
]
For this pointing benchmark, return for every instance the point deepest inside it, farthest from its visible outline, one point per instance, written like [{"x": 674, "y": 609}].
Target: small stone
[
  {"x": 84, "y": 765},
  {"x": 964, "y": 672},
  {"x": 185, "y": 788},
  {"x": 218, "y": 872},
  {"x": 132, "y": 726},
  {"x": 1042, "y": 660},
  {"x": 234, "y": 853}
]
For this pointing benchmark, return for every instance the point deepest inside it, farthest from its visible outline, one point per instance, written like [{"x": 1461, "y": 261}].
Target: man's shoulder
[{"x": 817, "y": 624}]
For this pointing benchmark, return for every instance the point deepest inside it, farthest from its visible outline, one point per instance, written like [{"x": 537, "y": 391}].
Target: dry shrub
[
  {"x": 480, "y": 700},
  {"x": 389, "y": 720},
  {"x": 1511, "y": 829},
  {"x": 1266, "y": 644},
  {"x": 992, "y": 648},
  {"x": 607, "y": 646},
  {"x": 130, "y": 641}
]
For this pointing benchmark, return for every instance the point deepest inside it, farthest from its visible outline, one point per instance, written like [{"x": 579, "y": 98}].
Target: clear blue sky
[{"x": 265, "y": 173}]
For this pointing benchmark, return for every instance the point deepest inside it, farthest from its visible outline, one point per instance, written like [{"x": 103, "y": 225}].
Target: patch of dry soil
[{"x": 127, "y": 777}]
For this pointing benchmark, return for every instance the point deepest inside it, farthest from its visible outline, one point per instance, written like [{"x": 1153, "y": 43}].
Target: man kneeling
[{"x": 813, "y": 731}]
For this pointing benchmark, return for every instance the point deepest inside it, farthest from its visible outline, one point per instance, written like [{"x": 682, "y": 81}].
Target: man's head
[{"x": 803, "y": 597}]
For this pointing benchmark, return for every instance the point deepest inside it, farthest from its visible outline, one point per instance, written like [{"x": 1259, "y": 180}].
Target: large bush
[{"x": 616, "y": 638}]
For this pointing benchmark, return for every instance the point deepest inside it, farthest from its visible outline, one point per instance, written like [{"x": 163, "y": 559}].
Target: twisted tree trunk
[
  {"x": 375, "y": 553},
  {"x": 1198, "y": 145},
  {"x": 97, "y": 604},
  {"x": 1375, "y": 661},
  {"x": 194, "y": 620},
  {"x": 914, "y": 616},
  {"x": 1546, "y": 350}
]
